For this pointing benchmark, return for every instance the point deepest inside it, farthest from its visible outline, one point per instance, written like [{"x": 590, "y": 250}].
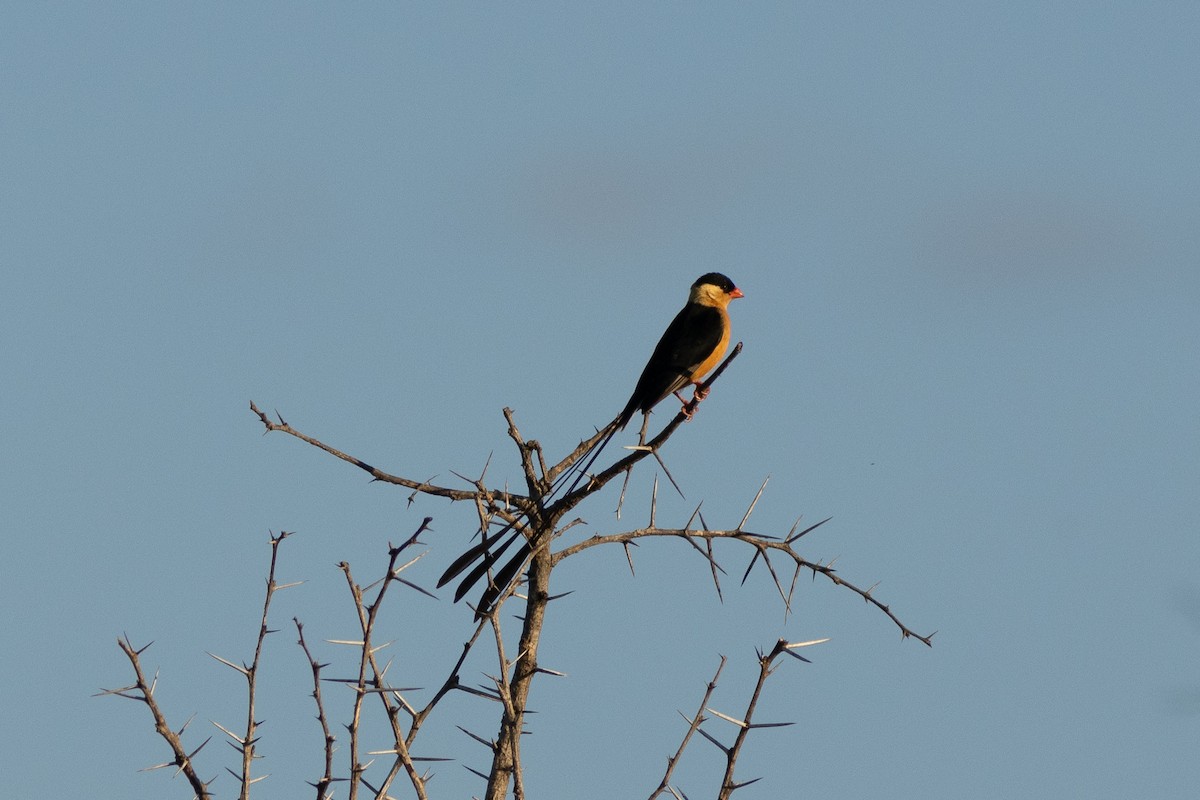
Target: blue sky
[{"x": 968, "y": 238}]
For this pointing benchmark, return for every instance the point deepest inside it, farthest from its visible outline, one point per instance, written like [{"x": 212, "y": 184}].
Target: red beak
[{"x": 736, "y": 293}]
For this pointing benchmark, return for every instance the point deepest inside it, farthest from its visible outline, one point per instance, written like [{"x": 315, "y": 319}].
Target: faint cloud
[
  {"x": 601, "y": 195},
  {"x": 649, "y": 188},
  {"x": 277, "y": 218},
  {"x": 1019, "y": 236}
]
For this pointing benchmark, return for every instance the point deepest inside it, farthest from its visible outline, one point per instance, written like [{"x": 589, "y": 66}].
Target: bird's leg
[
  {"x": 699, "y": 392},
  {"x": 687, "y": 410}
]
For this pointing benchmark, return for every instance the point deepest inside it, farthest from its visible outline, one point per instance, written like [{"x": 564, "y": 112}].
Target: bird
[{"x": 692, "y": 345}]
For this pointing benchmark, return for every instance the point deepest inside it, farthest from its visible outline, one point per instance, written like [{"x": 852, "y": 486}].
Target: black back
[{"x": 689, "y": 339}]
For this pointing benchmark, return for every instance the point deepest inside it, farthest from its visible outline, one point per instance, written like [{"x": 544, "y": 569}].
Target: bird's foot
[{"x": 689, "y": 406}]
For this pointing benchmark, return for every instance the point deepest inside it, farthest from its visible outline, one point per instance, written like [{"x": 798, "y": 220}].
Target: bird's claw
[
  {"x": 699, "y": 392},
  {"x": 689, "y": 406}
]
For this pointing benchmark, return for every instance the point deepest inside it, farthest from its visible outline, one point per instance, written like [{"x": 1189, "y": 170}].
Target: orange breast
[{"x": 718, "y": 352}]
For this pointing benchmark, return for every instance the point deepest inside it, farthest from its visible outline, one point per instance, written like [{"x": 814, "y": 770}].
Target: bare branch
[
  {"x": 377, "y": 474},
  {"x": 762, "y": 545},
  {"x": 249, "y": 740},
  {"x": 326, "y": 780},
  {"x": 532, "y": 480},
  {"x": 766, "y": 664},
  {"x": 693, "y": 725},
  {"x": 145, "y": 694},
  {"x": 371, "y": 679}
]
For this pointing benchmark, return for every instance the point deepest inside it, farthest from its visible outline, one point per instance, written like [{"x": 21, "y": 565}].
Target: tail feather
[
  {"x": 585, "y": 462},
  {"x": 485, "y": 563},
  {"x": 471, "y": 554},
  {"x": 502, "y": 579},
  {"x": 487, "y": 553}
]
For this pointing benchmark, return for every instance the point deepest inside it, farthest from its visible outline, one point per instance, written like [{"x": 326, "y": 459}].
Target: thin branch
[
  {"x": 420, "y": 486},
  {"x": 693, "y": 725},
  {"x": 371, "y": 677},
  {"x": 532, "y": 480},
  {"x": 598, "y": 481},
  {"x": 326, "y": 780},
  {"x": 250, "y": 739},
  {"x": 766, "y": 664},
  {"x": 762, "y": 545},
  {"x": 144, "y": 692}
]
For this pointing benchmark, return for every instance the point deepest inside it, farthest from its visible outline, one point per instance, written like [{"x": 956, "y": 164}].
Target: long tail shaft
[{"x": 488, "y": 552}]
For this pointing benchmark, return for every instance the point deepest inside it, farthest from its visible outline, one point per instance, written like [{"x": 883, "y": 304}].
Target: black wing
[{"x": 688, "y": 341}]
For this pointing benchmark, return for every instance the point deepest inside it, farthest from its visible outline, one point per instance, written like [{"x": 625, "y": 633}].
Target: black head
[{"x": 715, "y": 279}]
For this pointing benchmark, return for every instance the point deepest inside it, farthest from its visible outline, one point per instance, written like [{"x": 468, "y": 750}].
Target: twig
[
  {"x": 693, "y": 725},
  {"x": 420, "y": 486},
  {"x": 143, "y": 692},
  {"x": 766, "y": 665},
  {"x": 326, "y": 780},
  {"x": 246, "y": 744},
  {"x": 371, "y": 677}
]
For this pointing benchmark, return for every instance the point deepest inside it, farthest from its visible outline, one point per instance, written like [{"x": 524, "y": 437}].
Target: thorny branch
[
  {"x": 694, "y": 724},
  {"x": 420, "y": 486},
  {"x": 651, "y": 447},
  {"x": 766, "y": 666},
  {"x": 372, "y": 679},
  {"x": 536, "y": 515},
  {"x": 245, "y": 744},
  {"x": 143, "y": 692},
  {"x": 744, "y": 725},
  {"x": 763, "y": 545},
  {"x": 326, "y": 780}
]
